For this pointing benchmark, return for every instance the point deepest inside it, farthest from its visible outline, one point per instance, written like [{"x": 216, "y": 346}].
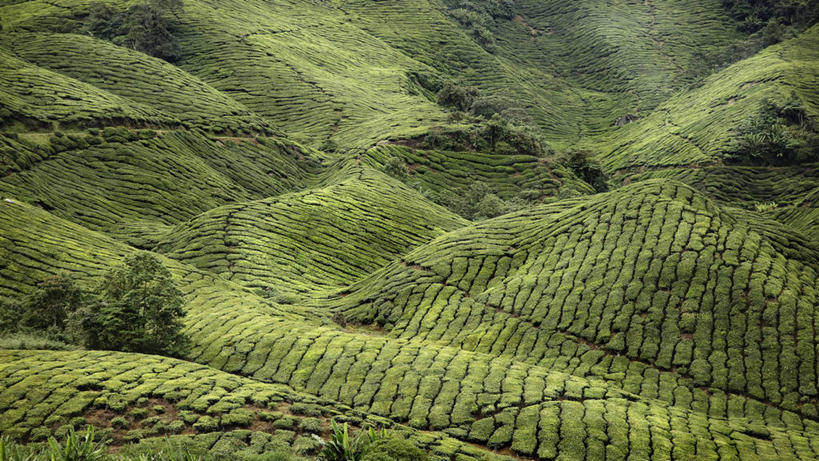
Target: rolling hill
[{"x": 640, "y": 290}]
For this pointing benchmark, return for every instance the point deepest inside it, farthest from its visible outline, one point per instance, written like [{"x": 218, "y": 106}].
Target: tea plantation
[{"x": 499, "y": 230}]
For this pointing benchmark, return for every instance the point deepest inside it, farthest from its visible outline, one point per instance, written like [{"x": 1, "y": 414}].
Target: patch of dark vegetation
[
  {"x": 586, "y": 167},
  {"x": 496, "y": 135},
  {"x": 147, "y": 27},
  {"x": 136, "y": 308},
  {"x": 477, "y": 17},
  {"x": 778, "y": 134},
  {"x": 767, "y": 22},
  {"x": 756, "y": 15}
]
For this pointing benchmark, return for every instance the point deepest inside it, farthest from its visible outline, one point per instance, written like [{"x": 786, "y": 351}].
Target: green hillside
[
  {"x": 325, "y": 237},
  {"x": 696, "y": 127},
  {"x": 497, "y": 229}
]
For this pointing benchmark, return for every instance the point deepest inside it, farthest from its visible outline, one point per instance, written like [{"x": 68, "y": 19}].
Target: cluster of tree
[
  {"x": 477, "y": 202},
  {"x": 779, "y": 134},
  {"x": 477, "y": 15},
  {"x": 497, "y": 135},
  {"x": 397, "y": 168},
  {"x": 766, "y": 21},
  {"x": 467, "y": 99},
  {"x": 147, "y": 27},
  {"x": 585, "y": 166},
  {"x": 136, "y": 307},
  {"x": 755, "y": 15}
]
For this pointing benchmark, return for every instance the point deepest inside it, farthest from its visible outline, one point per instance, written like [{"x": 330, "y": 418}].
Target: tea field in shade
[{"x": 284, "y": 168}]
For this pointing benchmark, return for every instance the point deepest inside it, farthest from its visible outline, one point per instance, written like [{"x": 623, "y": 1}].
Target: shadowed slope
[
  {"x": 643, "y": 49},
  {"x": 136, "y": 77},
  {"x": 789, "y": 195},
  {"x": 444, "y": 174},
  {"x": 138, "y": 189}
]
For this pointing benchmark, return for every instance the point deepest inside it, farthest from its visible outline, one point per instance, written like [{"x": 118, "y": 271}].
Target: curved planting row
[
  {"x": 134, "y": 397},
  {"x": 653, "y": 272},
  {"x": 321, "y": 238}
]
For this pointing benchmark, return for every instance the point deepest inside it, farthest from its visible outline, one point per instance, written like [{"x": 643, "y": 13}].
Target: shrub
[
  {"x": 457, "y": 96},
  {"x": 51, "y": 304},
  {"x": 396, "y": 168},
  {"x": 491, "y": 205},
  {"x": 313, "y": 425},
  {"x": 10, "y": 313},
  {"x": 476, "y": 17},
  {"x": 34, "y": 341},
  {"x": 344, "y": 447},
  {"x": 774, "y": 32},
  {"x": 584, "y": 165},
  {"x": 139, "y": 309},
  {"x": 765, "y": 206},
  {"x": 119, "y": 422},
  {"x": 144, "y": 27},
  {"x": 763, "y": 139},
  {"x": 487, "y": 106},
  {"x": 75, "y": 447},
  {"x": 478, "y": 201},
  {"x": 754, "y": 14},
  {"x": 13, "y": 451}
]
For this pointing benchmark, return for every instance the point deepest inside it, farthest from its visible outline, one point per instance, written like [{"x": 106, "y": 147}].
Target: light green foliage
[
  {"x": 394, "y": 449},
  {"x": 75, "y": 447},
  {"x": 343, "y": 446}
]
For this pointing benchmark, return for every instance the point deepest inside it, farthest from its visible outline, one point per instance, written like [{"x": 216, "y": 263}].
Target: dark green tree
[
  {"x": 149, "y": 29},
  {"x": 50, "y": 306},
  {"x": 583, "y": 163},
  {"x": 139, "y": 310},
  {"x": 145, "y": 27},
  {"x": 458, "y": 97},
  {"x": 396, "y": 168}
]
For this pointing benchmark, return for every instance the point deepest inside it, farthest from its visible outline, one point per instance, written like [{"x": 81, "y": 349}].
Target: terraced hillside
[
  {"x": 696, "y": 127},
  {"x": 322, "y": 238},
  {"x": 646, "y": 289},
  {"x": 492, "y": 374}
]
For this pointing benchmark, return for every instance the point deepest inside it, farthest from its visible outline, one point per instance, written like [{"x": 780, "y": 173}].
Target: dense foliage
[
  {"x": 477, "y": 16},
  {"x": 148, "y": 27},
  {"x": 759, "y": 14},
  {"x": 779, "y": 134},
  {"x": 584, "y": 164},
  {"x": 136, "y": 308},
  {"x": 139, "y": 309}
]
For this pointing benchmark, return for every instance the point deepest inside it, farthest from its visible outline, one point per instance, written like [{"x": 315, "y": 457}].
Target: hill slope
[{"x": 292, "y": 168}]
